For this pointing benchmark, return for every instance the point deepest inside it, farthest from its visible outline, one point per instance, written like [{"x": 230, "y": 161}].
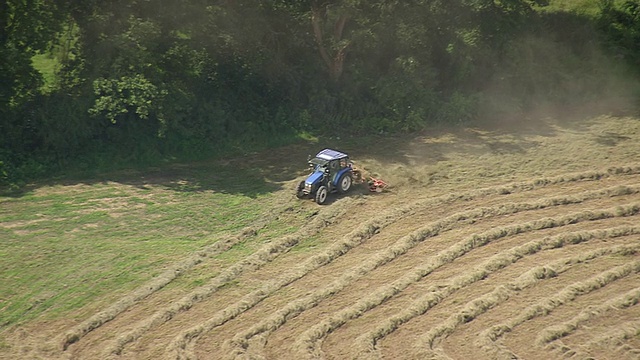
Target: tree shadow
[
  {"x": 441, "y": 143},
  {"x": 227, "y": 176},
  {"x": 203, "y": 177},
  {"x": 271, "y": 170}
]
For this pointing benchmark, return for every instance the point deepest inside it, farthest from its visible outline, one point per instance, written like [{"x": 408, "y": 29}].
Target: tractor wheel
[
  {"x": 345, "y": 183},
  {"x": 321, "y": 195},
  {"x": 300, "y": 191}
]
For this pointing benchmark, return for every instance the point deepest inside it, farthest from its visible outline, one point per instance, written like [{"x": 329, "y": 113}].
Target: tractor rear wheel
[
  {"x": 321, "y": 195},
  {"x": 345, "y": 183}
]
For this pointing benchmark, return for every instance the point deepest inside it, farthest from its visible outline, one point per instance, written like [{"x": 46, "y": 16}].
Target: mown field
[{"x": 493, "y": 241}]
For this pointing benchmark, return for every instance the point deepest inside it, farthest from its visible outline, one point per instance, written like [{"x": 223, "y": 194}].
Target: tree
[
  {"x": 26, "y": 28},
  {"x": 331, "y": 44}
]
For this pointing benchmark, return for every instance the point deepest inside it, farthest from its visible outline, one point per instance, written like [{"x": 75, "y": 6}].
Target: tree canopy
[{"x": 149, "y": 77}]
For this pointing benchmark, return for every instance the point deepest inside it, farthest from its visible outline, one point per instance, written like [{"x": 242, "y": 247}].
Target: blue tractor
[{"x": 332, "y": 172}]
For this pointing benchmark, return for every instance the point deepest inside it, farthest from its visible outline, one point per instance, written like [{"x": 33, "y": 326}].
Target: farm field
[{"x": 494, "y": 241}]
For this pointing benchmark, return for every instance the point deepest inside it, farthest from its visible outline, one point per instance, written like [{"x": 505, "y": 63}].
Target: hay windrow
[
  {"x": 488, "y": 339},
  {"x": 179, "y": 345},
  {"x": 240, "y": 342},
  {"x": 552, "y": 335},
  {"x": 310, "y": 341},
  {"x": 110, "y": 313},
  {"x": 559, "y": 331},
  {"x": 149, "y": 288},
  {"x": 367, "y": 342},
  {"x": 165, "y": 278},
  {"x": 613, "y": 338},
  {"x": 254, "y": 261}
]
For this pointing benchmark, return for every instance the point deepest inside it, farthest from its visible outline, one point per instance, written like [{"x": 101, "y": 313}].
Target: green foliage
[
  {"x": 136, "y": 83},
  {"x": 26, "y": 28},
  {"x": 459, "y": 109},
  {"x": 621, "y": 24},
  {"x": 130, "y": 95},
  {"x": 406, "y": 94}
]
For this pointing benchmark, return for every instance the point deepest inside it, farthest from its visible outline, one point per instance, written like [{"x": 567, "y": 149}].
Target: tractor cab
[{"x": 331, "y": 172}]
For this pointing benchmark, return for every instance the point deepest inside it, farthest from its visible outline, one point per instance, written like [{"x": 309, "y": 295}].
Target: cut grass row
[
  {"x": 165, "y": 278},
  {"x": 367, "y": 342},
  {"x": 613, "y": 338},
  {"x": 183, "y": 344},
  {"x": 480, "y": 305},
  {"x": 310, "y": 341},
  {"x": 558, "y": 331},
  {"x": 65, "y": 247},
  {"x": 156, "y": 215},
  {"x": 288, "y": 311},
  {"x": 262, "y": 256},
  {"x": 488, "y": 339}
]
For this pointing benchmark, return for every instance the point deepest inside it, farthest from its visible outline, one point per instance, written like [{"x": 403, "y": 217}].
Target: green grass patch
[
  {"x": 308, "y": 245},
  {"x": 65, "y": 247},
  {"x": 47, "y": 66},
  {"x": 590, "y": 8}
]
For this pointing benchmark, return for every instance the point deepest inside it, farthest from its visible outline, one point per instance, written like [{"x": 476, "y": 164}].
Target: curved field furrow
[
  {"x": 552, "y": 335},
  {"x": 271, "y": 323},
  {"x": 528, "y": 331},
  {"x": 264, "y": 255},
  {"x": 311, "y": 300},
  {"x": 397, "y": 312},
  {"x": 181, "y": 342},
  {"x": 458, "y": 341},
  {"x": 410, "y": 209},
  {"x": 144, "y": 291},
  {"x": 334, "y": 345},
  {"x": 162, "y": 280},
  {"x": 612, "y": 338},
  {"x": 506, "y": 297},
  {"x": 448, "y": 198},
  {"x": 365, "y": 344},
  {"x": 481, "y": 305},
  {"x": 558, "y": 331},
  {"x": 441, "y": 275},
  {"x": 489, "y": 339},
  {"x": 310, "y": 341},
  {"x": 139, "y": 326},
  {"x": 531, "y": 185}
]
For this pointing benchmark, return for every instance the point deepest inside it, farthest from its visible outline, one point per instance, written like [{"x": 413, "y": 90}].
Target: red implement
[{"x": 376, "y": 185}]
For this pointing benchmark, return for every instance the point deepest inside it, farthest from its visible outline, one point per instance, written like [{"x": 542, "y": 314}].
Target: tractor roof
[{"x": 328, "y": 154}]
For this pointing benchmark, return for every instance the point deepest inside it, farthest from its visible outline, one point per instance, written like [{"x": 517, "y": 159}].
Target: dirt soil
[{"x": 489, "y": 243}]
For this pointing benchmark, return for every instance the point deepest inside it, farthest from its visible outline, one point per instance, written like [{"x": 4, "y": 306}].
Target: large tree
[{"x": 26, "y": 28}]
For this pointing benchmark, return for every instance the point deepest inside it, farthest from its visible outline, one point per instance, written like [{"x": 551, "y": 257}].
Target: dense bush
[{"x": 138, "y": 82}]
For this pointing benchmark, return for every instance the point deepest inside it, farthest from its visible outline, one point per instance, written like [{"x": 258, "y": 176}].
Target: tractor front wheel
[
  {"x": 300, "y": 191},
  {"x": 345, "y": 183},
  {"x": 321, "y": 195}
]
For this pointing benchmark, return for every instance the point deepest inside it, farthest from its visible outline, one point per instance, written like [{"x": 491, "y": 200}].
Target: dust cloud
[{"x": 541, "y": 77}]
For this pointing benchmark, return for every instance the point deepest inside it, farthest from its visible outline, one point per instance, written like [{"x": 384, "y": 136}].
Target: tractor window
[
  {"x": 334, "y": 165},
  {"x": 343, "y": 163},
  {"x": 318, "y": 162}
]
